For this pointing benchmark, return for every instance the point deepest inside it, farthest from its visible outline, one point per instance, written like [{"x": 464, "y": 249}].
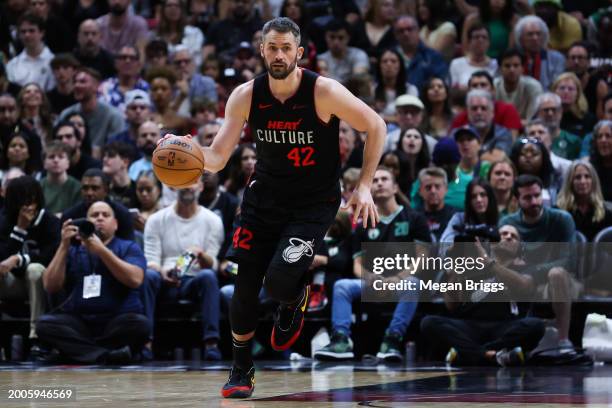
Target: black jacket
[{"x": 37, "y": 244}]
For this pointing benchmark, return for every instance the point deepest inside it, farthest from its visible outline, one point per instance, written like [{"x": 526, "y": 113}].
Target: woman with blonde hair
[
  {"x": 576, "y": 116},
  {"x": 501, "y": 176},
  {"x": 581, "y": 196}
]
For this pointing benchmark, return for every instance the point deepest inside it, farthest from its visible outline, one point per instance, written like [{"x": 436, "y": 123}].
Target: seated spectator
[
  {"x": 207, "y": 132},
  {"x": 80, "y": 161},
  {"x": 102, "y": 119},
  {"x": 174, "y": 29},
  {"x": 35, "y": 112},
  {"x": 537, "y": 129},
  {"x": 173, "y": 233},
  {"x": 101, "y": 321},
  {"x": 61, "y": 96},
  {"x": 113, "y": 91},
  {"x": 95, "y": 187},
  {"x": 9, "y": 116},
  {"x": 601, "y": 155},
  {"x": 240, "y": 167},
  {"x": 421, "y": 62},
  {"x": 121, "y": 27},
  {"x": 392, "y": 161},
  {"x": 593, "y": 80},
  {"x": 506, "y": 114},
  {"x": 61, "y": 191},
  {"x": 498, "y": 17},
  {"x": 413, "y": 154},
  {"x": 10, "y": 174},
  {"x": 58, "y": 35},
  {"x": 564, "y": 28},
  {"x": 146, "y": 142},
  {"x": 148, "y": 193},
  {"x": 32, "y": 64},
  {"x": 78, "y": 11},
  {"x": 410, "y": 112},
  {"x": 515, "y": 88},
  {"x": 373, "y": 33},
  {"x": 163, "y": 85},
  {"x": 90, "y": 52},
  {"x": 156, "y": 54},
  {"x": 138, "y": 110},
  {"x": 437, "y": 32},
  {"x": 576, "y": 117},
  {"x": 434, "y": 185},
  {"x": 390, "y": 83},
  {"x": 116, "y": 159},
  {"x": 192, "y": 86},
  {"x": 502, "y": 174},
  {"x": 240, "y": 25},
  {"x": 476, "y": 59},
  {"x": 20, "y": 151},
  {"x": 480, "y": 208},
  {"x": 539, "y": 224},
  {"x": 531, "y": 36},
  {"x": 342, "y": 61},
  {"x": 438, "y": 114},
  {"x": 346, "y": 291},
  {"x": 78, "y": 120},
  {"x": 549, "y": 110},
  {"x": 531, "y": 157},
  {"x": 28, "y": 239},
  {"x": 486, "y": 332},
  {"x": 581, "y": 197}
]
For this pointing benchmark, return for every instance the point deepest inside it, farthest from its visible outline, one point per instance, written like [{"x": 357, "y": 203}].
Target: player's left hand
[
  {"x": 169, "y": 135},
  {"x": 362, "y": 205}
]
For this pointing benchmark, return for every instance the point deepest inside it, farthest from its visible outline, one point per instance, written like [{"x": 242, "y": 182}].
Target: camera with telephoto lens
[
  {"x": 86, "y": 227},
  {"x": 469, "y": 232}
]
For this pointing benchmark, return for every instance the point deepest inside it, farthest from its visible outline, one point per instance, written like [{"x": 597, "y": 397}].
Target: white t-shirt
[
  {"x": 342, "y": 69},
  {"x": 167, "y": 236},
  {"x": 461, "y": 70},
  {"x": 24, "y": 69}
]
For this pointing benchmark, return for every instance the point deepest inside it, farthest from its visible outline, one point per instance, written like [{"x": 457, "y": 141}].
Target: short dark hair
[
  {"x": 32, "y": 19},
  {"x": 526, "y": 180},
  {"x": 22, "y": 191},
  {"x": 583, "y": 44},
  {"x": 477, "y": 27},
  {"x": 161, "y": 72},
  {"x": 388, "y": 170},
  {"x": 481, "y": 73},
  {"x": 66, "y": 123},
  {"x": 97, "y": 173},
  {"x": 89, "y": 71},
  {"x": 510, "y": 53},
  {"x": 337, "y": 25},
  {"x": 118, "y": 148},
  {"x": 282, "y": 25},
  {"x": 64, "y": 60},
  {"x": 155, "y": 47}
]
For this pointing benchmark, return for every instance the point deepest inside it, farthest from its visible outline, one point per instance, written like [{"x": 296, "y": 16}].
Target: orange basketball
[{"x": 178, "y": 161}]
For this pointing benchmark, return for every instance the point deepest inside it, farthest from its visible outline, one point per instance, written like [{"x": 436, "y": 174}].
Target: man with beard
[
  {"x": 146, "y": 142},
  {"x": 239, "y": 26},
  {"x": 120, "y": 28},
  {"x": 9, "y": 122},
  {"x": 496, "y": 140},
  {"x": 550, "y": 111},
  {"x": 89, "y": 51},
  {"x": 489, "y": 331},
  {"x": 80, "y": 161},
  {"x": 293, "y": 195},
  {"x": 186, "y": 229},
  {"x": 137, "y": 111},
  {"x": 548, "y": 264},
  {"x": 95, "y": 187}
]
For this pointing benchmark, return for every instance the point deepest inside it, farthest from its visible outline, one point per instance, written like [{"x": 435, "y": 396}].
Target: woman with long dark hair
[
  {"x": 174, "y": 28},
  {"x": 435, "y": 97},
  {"x": 391, "y": 82},
  {"x": 21, "y": 151},
  {"x": 413, "y": 155},
  {"x": 530, "y": 156},
  {"x": 241, "y": 165},
  {"x": 480, "y": 208},
  {"x": 148, "y": 194}
]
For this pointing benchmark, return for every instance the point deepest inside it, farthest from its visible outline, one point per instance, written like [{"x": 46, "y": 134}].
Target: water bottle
[
  {"x": 16, "y": 347},
  {"x": 410, "y": 353}
]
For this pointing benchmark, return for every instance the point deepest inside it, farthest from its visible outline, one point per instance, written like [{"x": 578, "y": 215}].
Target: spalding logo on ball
[{"x": 178, "y": 162}]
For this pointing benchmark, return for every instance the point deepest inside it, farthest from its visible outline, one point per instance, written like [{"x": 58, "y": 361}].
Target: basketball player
[{"x": 293, "y": 195}]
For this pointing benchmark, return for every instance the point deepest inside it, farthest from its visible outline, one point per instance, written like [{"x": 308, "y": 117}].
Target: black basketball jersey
[{"x": 298, "y": 157}]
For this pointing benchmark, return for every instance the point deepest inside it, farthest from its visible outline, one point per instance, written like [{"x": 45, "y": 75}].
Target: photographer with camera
[
  {"x": 485, "y": 327},
  {"x": 29, "y": 236},
  {"x": 101, "y": 321},
  {"x": 182, "y": 242}
]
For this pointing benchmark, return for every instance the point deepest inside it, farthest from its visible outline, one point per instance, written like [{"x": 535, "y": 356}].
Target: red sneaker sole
[
  {"x": 237, "y": 392},
  {"x": 289, "y": 343}
]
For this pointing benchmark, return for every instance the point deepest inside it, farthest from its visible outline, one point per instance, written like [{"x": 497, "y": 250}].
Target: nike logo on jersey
[{"x": 264, "y": 106}]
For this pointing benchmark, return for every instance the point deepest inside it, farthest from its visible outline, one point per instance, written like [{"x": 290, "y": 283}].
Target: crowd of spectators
[{"x": 498, "y": 112}]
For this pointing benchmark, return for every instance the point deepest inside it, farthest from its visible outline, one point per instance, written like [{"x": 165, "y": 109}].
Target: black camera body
[
  {"x": 86, "y": 227},
  {"x": 469, "y": 232}
]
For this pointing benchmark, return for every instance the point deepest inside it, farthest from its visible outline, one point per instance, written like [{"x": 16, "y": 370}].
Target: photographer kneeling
[{"x": 102, "y": 320}]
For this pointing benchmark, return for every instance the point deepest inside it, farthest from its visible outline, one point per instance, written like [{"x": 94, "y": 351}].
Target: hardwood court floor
[{"x": 281, "y": 384}]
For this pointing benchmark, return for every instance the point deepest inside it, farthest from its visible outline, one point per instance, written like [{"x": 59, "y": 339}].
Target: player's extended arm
[{"x": 236, "y": 113}]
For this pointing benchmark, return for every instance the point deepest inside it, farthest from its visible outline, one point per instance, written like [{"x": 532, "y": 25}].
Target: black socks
[{"x": 241, "y": 350}]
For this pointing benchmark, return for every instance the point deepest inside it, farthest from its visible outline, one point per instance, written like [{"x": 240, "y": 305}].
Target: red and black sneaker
[
  {"x": 240, "y": 384},
  {"x": 288, "y": 323}
]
